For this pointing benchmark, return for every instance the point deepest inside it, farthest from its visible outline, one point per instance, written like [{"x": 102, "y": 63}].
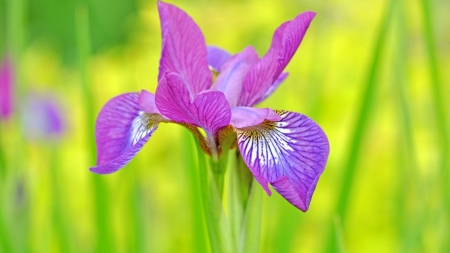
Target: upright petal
[
  {"x": 6, "y": 88},
  {"x": 121, "y": 130},
  {"x": 258, "y": 80},
  {"x": 273, "y": 87},
  {"x": 217, "y": 57},
  {"x": 262, "y": 75},
  {"x": 290, "y": 154},
  {"x": 293, "y": 34},
  {"x": 183, "y": 49},
  {"x": 232, "y": 75},
  {"x": 209, "y": 110}
]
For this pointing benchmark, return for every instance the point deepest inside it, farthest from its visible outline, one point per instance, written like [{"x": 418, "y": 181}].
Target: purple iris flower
[
  {"x": 206, "y": 87},
  {"x": 6, "y": 88}
]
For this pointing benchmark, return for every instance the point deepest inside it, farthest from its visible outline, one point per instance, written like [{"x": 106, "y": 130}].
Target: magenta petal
[
  {"x": 6, "y": 88},
  {"x": 247, "y": 116},
  {"x": 209, "y": 110},
  {"x": 232, "y": 74},
  {"x": 183, "y": 49},
  {"x": 273, "y": 87},
  {"x": 121, "y": 130},
  {"x": 217, "y": 57},
  {"x": 290, "y": 154},
  {"x": 146, "y": 101},
  {"x": 293, "y": 34},
  {"x": 258, "y": 80}
]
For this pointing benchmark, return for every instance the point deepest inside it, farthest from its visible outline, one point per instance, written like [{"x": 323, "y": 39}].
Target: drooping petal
[
  {"x": 121, "y": 130},
  {"x": 183, "y": 49},
  {"x": 248, "y": 116},
  {"x": 209, "y": 110},
  {"x": 273, "y": 87},
  {"x": 232, "y": 75},
  {"x": 217, "y": 57},
  {"x": 290, "y": 154},
  {"x": 6, "y": 88},
  {"x": 146, "y": 101}
]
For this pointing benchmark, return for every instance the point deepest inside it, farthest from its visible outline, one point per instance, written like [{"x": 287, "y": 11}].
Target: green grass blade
[
  {"x": 439, "y": 108},
  {"x": 365, "y": 109},
  {"x": 104, "y": 234},
  {"x": 410, "y": 222},
  {"x": 59, "y": 220}
]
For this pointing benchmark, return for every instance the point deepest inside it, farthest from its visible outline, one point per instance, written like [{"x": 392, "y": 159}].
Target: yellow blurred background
[{"x": 373, "y": 74}]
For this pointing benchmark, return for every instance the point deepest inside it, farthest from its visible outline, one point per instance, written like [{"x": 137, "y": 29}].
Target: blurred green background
[{"x": 373, "y": 74}]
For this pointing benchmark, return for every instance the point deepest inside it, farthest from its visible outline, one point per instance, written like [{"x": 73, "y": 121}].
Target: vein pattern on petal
[
  {"x": 183, "y": 49},
  {"x": 290, "y": 154},
  {"x": 122, "y": 129}
]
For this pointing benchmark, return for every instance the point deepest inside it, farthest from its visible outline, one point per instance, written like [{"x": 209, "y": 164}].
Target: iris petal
[
  {"x": 248, "y": 116},
  {"x": 217, "y": 57},
  {"x": 121, "y": 130},
  {"x": 293, "y": 35},
  {"x": 263, "y": 74},
  {"x": 273, "y": 87},
  {"x": 183, "y": 49},
  {"x": 209, "y": 110},
  {"x": 232, "y": 74},
  {"x": 146, "y": 101},
  {"x": 290, "y": 154}
]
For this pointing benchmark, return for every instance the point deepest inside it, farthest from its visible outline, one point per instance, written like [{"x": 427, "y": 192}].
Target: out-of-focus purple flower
[
  {"x": 42, "y": 116},
  {"x": 206, "y": 87},
  {"x": 6, "y": 88}
]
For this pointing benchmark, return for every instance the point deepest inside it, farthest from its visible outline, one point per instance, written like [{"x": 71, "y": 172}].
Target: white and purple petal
[
  {"x": 290, "y": 154},
  {"x": 122, "y": 128},
  {"x": 217, "y": 57},
  {"x": 209, "y": 109},
  {"x": 183, "y": 49},
  {"x": 232, "y": 74}
]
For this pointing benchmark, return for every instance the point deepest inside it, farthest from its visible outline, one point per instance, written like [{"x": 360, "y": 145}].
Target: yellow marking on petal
[{"x": 215, "y": 74}]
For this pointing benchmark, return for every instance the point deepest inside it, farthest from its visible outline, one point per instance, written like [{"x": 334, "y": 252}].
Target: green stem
[
  {"x": 200, "y": 238},
  {"x": 217, "y": 224},
  {"x": 251, "y": 225},
  {"x": 360, "y": 127}
]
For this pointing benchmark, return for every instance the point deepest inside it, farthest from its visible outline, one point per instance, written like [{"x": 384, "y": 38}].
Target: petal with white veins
[
  {"x": 122, "y": 128},
  {"x": 290, "y": 154}
]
